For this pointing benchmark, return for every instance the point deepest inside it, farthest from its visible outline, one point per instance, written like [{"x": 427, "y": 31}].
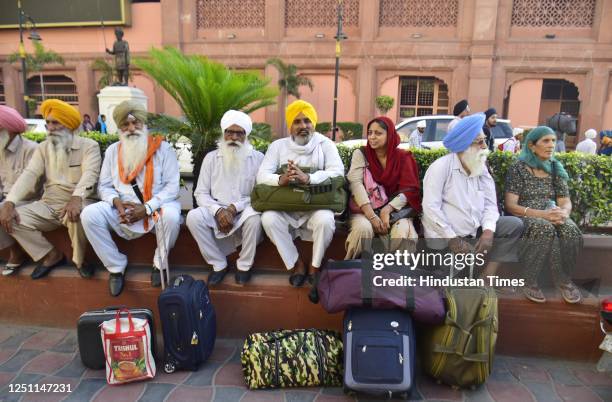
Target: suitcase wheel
[{"x": 169, "y": 368}]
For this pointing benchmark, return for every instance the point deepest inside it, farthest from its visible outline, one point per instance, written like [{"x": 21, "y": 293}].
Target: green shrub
[
  {"x": 352, "y": 131},
  {"x": 103, "y": 139},
  {"x": 261, "y": 131},
  {"x": 384, "y": 103}
]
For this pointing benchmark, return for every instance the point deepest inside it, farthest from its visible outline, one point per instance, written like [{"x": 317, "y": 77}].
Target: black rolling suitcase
[
  {"x": 90, "y": 341},
  {"x": 189, "y": 323},
  {"x": 379, "y": 352}
]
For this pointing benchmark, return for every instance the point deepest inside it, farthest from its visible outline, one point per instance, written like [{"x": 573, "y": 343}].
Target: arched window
[
  {"x": 422, "y": 96},
  {"x": 53, "y": 86}
]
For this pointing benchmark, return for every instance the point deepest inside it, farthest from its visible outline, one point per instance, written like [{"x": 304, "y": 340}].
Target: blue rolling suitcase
[
  {"x": 188, "y": 323},
  {"x": 379, "y": 352}
]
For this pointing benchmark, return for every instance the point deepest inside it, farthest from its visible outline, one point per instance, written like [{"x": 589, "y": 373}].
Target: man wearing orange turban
[
  {"x": 303, "y": 150},
  {"x": 15, "y": 153},
  {"x": 68, "y": 167}
]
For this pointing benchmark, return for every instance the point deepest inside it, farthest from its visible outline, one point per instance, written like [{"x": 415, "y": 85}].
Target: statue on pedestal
[{"x": 121, "y": 51}]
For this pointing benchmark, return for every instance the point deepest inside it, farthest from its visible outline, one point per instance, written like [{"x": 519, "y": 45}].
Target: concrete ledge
[{"x": 553, "y": 329}]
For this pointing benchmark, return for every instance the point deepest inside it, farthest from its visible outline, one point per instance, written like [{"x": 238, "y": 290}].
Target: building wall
[
  {"x": 524, "y": 103},
  {"x": 478, "y": 47}
]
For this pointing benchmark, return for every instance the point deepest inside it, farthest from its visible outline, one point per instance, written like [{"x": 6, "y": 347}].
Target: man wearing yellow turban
[
  {"x": 304, "y": 148},
  {"x": 68, "y": 167}
]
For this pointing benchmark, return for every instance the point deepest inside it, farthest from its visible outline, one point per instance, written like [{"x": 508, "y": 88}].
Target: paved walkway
[{"x": 31, "y": 355}]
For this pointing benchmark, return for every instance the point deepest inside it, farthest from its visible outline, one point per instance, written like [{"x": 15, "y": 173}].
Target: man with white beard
[
  {"x": 68, "y": 165},
  {"x": 224, "y": 218},
  {"x": 459, "y": 199},
  {"x": 15, "y": 153},
  {"x": 138, "y": 166},
  {"x": 303, "y": 148}
]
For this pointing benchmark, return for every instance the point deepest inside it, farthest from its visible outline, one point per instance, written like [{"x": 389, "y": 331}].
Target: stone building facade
[{"x": 527, "y": 58}]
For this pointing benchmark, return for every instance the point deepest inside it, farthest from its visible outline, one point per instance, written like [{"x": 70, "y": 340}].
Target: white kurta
[
  {"x": 102, "y": 216},
  {"x": 415, "y": 139},
  {"x": 587, "y": 146},
  {"x": 217, "y": 189},
  {"x": 455, "y": 204},
  {"x": 321, "y": 156}
]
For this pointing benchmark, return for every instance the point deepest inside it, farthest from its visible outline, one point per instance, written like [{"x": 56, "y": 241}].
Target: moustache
[{"x": 303, "y": 132}]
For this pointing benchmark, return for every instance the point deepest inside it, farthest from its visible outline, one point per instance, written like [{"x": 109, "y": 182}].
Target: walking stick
[{"x": 160, "y": 236}]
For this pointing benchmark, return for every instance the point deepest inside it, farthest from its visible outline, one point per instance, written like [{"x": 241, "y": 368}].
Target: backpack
[{"x": 460, "y": 352}]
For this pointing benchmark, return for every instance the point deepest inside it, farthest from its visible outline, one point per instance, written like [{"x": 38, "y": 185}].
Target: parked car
[
  {"x": 435, "y": 131},
  {"x": 36, "y": 125}
]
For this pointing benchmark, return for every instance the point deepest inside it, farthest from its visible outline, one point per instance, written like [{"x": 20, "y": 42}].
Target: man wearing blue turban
[{"x": 459, "y": 199}]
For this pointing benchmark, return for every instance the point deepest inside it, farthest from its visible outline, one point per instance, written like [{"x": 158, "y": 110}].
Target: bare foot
[{"x": 53, "y": 257}]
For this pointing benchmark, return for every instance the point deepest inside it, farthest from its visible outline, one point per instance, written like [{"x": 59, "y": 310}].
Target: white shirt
[
  {"x": 320, "y": 154},
  {"x": 587, "y": 146},
  {"x": 510, "y": 145},
  {"x": 165, "y": 181},
  {"x": 217, "y": 189},
  {"x": 415, "y": 139},
  {"x": 453, "y": 123},
  {"x": 455, "y": 204}
]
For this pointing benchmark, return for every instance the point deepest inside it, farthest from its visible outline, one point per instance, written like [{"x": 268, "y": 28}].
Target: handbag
[
  {"x": 330, "y": 194},
  {"x": 376, "y": 192},
  {"x": 127, "y": 349},
  {"x": 345, "y": 284}
]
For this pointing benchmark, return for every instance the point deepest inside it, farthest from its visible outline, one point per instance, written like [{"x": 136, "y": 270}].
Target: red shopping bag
[{"x": 127, "y": 349}]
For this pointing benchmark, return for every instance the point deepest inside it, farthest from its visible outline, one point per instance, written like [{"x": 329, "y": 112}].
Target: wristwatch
[{"x": 148, "y": 209}]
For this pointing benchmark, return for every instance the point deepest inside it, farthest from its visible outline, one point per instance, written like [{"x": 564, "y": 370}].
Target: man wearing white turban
[
  {"x": 588, "y": 146},
  {"x": 139, "y": 185},
  {"x": 224, "y": 218}
]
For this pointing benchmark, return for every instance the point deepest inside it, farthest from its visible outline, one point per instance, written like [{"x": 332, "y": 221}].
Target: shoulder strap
[{"x": 137, "y": 191}]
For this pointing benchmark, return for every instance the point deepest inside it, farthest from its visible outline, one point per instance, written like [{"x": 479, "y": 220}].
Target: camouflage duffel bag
[{"x": 292, "y": 358}]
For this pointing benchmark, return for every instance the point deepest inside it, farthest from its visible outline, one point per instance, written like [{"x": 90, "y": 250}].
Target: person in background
[
  {"x": 101, "y": 124},
  {"x": 461, "y": 109},
  {"x": 536, "y": 191},
  {"x": 87, "y": 124},
  {"x": 490, "y": 122},
  {"x": 513, "y": 144},
  {"x": 588, "y": 146},
  {"x": 416, "y": 137},
  {"x": 605, "y": 147}
]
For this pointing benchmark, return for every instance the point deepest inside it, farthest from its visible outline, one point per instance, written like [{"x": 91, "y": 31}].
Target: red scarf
[
  {"x": 147, "y": 193},
  {"x": 401, "y": 171}
]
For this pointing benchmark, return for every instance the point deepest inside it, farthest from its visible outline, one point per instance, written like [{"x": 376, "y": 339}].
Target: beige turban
[{"x": 129, "y": 107}]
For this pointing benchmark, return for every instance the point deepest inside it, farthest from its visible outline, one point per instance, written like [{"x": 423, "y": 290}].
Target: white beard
[
  {"x": 4, "y": 140},
  {"x": 233, "y": 156},
  {"x": 302, "y": 140},
  {"x": 474, "y": 159},
  {"x": 59, "y": 152},
  {"x": 133, "y": 148}
]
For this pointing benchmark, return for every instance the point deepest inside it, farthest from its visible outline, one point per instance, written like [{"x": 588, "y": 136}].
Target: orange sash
[{"x": 154, "y": 144}]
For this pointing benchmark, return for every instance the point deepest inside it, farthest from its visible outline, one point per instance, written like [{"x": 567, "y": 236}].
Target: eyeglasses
[
  {"x": 234, "y": 132},
  {"x": 480, "y": 142}
]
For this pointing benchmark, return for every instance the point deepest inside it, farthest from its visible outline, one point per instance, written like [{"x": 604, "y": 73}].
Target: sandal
[
  {"x": 534, "y": 294},
  {"x": 570, "y": 293},
  {"x": 10, "y": 268}
]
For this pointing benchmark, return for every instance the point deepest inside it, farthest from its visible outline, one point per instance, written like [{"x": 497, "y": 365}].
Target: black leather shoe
[
  {"x": 155, "y": 278},
  {"x": 115, "y": 284},
  {"x": 297, "y": 280},
  {"x": 216, "y": 277},
  {"x": 41, "y": 271},
  {"x": 242, "y": 277},
  {"x": 87, "y": 270}
]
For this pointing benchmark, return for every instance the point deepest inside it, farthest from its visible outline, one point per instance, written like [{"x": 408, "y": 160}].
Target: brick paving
[{"x": 30, "y": 355}]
